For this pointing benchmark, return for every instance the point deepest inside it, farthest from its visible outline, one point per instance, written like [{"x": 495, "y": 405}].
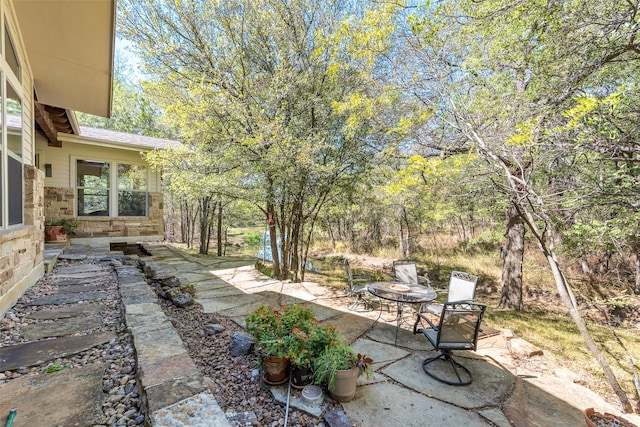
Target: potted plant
[
  {"x": 339, "y": 367},
  {"x": 58, "y": 231},
  {"x": 310, "y": 340},
  {"x": 275, "y": 341},
  {"x": 596, "y": 419}
]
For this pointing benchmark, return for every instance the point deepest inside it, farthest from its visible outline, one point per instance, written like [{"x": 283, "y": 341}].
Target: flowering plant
[
  {"x": 310, "y": 340},
  {"x": 282, "y": 333}
]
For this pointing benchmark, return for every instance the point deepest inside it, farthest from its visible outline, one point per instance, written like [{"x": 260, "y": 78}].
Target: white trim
[{"x": 113, "y": 187}]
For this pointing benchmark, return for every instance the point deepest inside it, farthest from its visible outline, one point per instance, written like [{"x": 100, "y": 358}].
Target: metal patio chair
[
  {"x": 406, "y": 271},
  {"x": 462, "y": 287},
  {"x": 356, "y": 289},
  {"x": 457, "y": 329}
]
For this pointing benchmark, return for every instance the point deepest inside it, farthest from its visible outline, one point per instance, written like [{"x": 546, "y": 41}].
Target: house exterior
[
  {"x": 99, "y": 178},
  {"x": 55, "y": 57}
]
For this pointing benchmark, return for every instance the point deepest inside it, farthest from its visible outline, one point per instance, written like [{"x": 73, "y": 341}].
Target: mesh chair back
[
  {"x": 405, "y": 271},
  {"x": 462, "y": 286},
  {"x": 459, "y": 326}
]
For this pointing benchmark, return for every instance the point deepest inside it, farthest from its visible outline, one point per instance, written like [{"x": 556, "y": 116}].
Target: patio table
[{"x": 401, "y": 293}]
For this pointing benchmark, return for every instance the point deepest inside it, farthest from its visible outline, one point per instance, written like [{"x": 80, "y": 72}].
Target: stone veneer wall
[
  {"x": 22, "y": 248},
  {"x": 60, "y": 203}
]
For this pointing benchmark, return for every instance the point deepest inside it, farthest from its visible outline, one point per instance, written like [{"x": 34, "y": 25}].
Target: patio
[{"x": 504, "y": 392}]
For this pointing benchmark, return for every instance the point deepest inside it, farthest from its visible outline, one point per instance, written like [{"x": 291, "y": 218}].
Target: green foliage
[
  {"x": 68, "y": 224},
  {"x": 253, "y": 239},
  {"x": 288, "y": 121},
  {"x": 338, "y": 356},
  {"x": 56, "y": 367}
]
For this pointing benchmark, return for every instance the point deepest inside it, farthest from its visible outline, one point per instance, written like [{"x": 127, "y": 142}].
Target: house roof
[
  {"x": 114, "y": 139},
  {"x": 70, "y": 47}
]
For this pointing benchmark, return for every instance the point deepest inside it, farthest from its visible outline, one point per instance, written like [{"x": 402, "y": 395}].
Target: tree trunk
[
  {"x": 511, "y": 296},
  {"x": 637, "y": 288},
  {"x": 205, "y": 224},
  {"x": 569, "y": 301},
  {"x": 219, "y": 228},
  {"x": 273, "y": 240},
  {"x": 404, "y": 234},
  {"x": 296, "y": 230}
]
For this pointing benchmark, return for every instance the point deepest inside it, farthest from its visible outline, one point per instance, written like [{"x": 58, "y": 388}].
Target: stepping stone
[
  {"x": 67, "y": 282},
  {"x": 220, "y": 292},
  {"x": 66, "y": 312},
  {"x": 490, "y": 383},
  {"x": 279, "y": 393},
  {"x": 60, "y": 328},
  {"x": 386, "y": 401},
  {"x": 68, "y": 298},
  {"x": 71, "y": 397},
  {"x": 86, "y": 275},
  {"x": 38, "y": 352},
  {"x": 83, "y": 268},
  {"x": 75, "y": 289}
]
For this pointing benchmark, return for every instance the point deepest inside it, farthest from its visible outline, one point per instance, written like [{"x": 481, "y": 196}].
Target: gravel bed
[
  {"x": 234, "y": 381},
  {"x": 122, "y": 406}
]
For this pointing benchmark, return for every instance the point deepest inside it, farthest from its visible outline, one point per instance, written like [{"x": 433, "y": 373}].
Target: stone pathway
[{"x": 398, "y": 393}]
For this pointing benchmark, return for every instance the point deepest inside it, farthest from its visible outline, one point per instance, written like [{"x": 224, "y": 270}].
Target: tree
[
  {"x": 202, "y": 186},
  {"x": 285, "y": 87},
  {"x": 508, "y": 93}
]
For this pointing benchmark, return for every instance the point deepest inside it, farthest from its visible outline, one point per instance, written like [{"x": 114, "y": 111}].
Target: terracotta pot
[
  {"x": 590, "y": 414},
  {"x": 276, "y": 370},
  {"x": 301, "y": 376},
  {"x": 344, "y": 388},
  {"x": 54, "y": 234}
]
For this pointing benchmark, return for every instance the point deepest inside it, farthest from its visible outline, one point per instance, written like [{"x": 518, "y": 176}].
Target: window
[
  {"x": 93, "y": 188},
  {"x": 99, "y": 189},
  {"x": 11, "y": 148},
  {"x": 10, "y": 54},
  {"x": 132, "y": 190}
]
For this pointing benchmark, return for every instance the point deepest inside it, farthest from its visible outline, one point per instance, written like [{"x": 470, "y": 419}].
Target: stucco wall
[
  {"x": 22, "y": 248},
  {"x": 60, "y": 202}
]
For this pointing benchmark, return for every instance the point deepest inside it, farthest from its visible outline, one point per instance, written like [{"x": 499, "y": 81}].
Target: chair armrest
[
  {"x": 419, "y": 318},
  {"x": 424, "y": 279}
]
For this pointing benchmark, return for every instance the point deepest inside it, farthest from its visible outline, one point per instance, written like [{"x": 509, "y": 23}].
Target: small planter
[
  {"x": 301, "y": 376},
  {"x": 346, "y": 382},
  {"x": 276, "y": 370},
  {"x": 596, "y": 419},
  {"x": 54, "y": 234}
]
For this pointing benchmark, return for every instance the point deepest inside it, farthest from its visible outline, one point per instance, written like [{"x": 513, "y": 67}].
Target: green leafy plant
[
  {"x": 274, "y": 330},
  {"x": 310, "y": 341},
  {"x": 55, "y": 367},
  {"x": 252, "y": 239},
  {"x": 68, "y": 224},
  {"x": 339, "y": 357}
]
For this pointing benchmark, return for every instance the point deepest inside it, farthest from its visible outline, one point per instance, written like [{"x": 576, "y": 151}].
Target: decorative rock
[
  {"x": 337, "y": 418},
  {"x": 182, "y": 300},
  {"x": 172, "y": 282},
  {"x": 242, "y": 418},
  {"x": 213, "y": 329},
  {"x": 240, "y": 343}
]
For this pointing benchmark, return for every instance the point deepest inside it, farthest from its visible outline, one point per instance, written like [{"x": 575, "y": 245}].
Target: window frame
[
  {"x": 8, "y": 158},
  {"x": 112, "y": 188}
]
